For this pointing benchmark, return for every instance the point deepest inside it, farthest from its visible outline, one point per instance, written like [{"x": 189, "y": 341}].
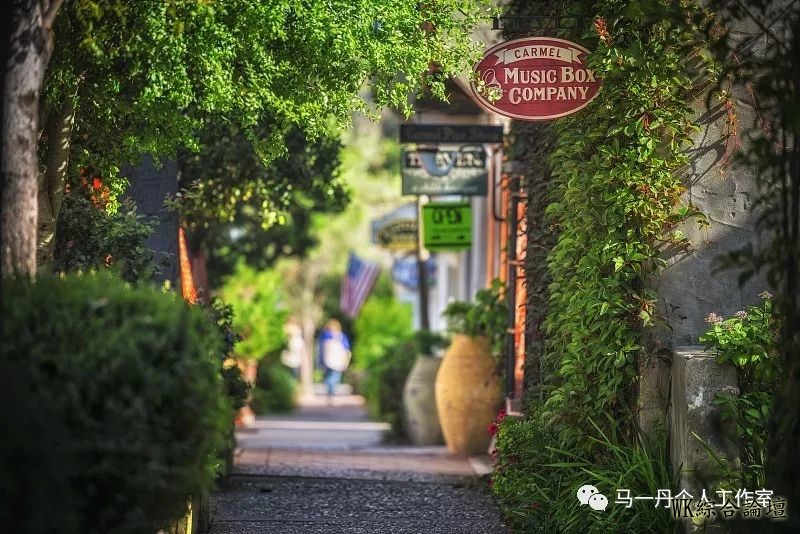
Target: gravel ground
[{"x": 282, "y": 505}]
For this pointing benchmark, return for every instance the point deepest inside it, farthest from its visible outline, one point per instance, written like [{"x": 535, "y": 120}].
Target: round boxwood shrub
[{"x": 122, "y": 386}]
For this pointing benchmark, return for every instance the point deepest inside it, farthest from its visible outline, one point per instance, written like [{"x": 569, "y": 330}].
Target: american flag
[{"x": 357, "y": 284}]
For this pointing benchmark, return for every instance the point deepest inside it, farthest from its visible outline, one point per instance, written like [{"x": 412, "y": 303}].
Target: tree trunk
[
  {"x": 51, "y": 182},
  {"x": 29, "y": 46}
]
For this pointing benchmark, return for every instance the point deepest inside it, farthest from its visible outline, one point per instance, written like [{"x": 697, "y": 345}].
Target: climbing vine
[
  {"x": 614, "y": 192},
  {"x": 616, "y": 202}
]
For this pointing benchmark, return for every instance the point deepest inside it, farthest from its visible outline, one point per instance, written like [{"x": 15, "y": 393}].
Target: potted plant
[
  {"x": 468, "y": 382},
  {"x": 420, "y": 420}
]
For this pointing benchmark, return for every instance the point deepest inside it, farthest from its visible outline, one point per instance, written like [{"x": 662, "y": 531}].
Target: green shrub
[
  {"x": 236, "y": 387},
  {"x": 536, "y": 480},
  {"x": 386, "y": 376},
  {"x": 274, "y": 391},
  {"x": 748, "y": 341},
  {"x": 383, "y": 384},
  {"x": 90, "y": 237},
  {"x": 260, "y": 314},
  {"x": 121, "y": 386},
  {"x": 382, "y": 323}
]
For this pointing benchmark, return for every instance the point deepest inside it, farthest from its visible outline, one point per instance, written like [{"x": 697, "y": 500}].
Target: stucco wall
[{"x": 691, "y": 286}]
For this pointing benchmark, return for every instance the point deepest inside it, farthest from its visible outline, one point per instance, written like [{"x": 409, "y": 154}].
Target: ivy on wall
[
  {"x": 613, "y": 190},
  {"x": 616, "y": 201}
]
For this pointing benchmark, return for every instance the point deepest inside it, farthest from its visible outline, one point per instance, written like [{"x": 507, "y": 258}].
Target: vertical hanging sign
[{"x": 535, "y": 79}]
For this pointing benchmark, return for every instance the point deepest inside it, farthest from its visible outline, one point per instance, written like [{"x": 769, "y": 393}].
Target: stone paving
[{"x": 325, "y": 469}]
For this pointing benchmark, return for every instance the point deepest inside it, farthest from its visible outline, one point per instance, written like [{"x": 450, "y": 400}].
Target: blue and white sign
[{"x": 406, "y": 273}]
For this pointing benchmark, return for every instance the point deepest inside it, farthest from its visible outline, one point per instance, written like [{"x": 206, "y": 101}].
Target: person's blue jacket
[{"x": 323, "y": 337}]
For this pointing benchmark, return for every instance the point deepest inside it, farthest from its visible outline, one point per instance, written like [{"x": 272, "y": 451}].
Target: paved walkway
[{"x": 324, "y": 469}]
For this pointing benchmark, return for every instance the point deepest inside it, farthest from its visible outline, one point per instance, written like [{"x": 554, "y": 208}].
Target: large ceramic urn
[
  {"x": 420, "y": 419},
  {"x": 467, "y": 395}
]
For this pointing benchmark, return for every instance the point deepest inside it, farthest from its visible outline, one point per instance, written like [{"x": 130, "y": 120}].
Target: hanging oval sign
[{"x": 535, "y": 79}]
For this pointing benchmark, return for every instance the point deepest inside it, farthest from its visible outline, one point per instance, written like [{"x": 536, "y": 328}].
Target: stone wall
[
  {"x": 692, "y": 286},
  {"x": 696, "y": 424}
]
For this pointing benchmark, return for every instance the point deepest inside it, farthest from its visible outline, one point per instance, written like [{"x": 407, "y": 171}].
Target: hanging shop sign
[
  {"x": 398, "y": 235},
  {"x": 450, "y": 133},
  {"x": 535, "y": 78},
  {"x": 447, "y": 225},
  {"x": 405, "y": 272},
  {"x": 445, "y": 172},
  {"x": 398, "y": 229}
]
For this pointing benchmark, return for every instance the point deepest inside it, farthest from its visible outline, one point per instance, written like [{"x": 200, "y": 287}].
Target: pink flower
[
  {"x": 713, "y": 318},
  {"x": 741, "y": 314},
  {"x": 766, "y": 295}
]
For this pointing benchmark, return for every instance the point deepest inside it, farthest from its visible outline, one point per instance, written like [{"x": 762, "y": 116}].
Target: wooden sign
[
  {"x": 445, "y": 172},
  {"x": 450, "y": 133},
  {"x": 535, "y": 79}
]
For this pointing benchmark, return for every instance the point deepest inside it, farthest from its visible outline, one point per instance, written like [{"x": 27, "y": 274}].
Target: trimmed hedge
[{"x": 117, "y": 406}]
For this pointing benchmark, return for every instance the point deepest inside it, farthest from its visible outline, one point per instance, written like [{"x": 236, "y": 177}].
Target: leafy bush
[
  {"x": 274, "y": 389},
  {"x": 382, "y": 323},
  {"x": 260, "y": 315},
  {"x": 89, "y": 237},
  {"x": 119, "y": 389},
  {"x": 236, "y": 387},
  {"x": 536, "y": 480},
  {"x": 749, "y": 342}
]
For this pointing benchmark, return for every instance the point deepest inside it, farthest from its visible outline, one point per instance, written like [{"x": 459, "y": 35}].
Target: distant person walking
[
  {"x": 295, "y": 353},
  {"x": 334, "y": 354}
]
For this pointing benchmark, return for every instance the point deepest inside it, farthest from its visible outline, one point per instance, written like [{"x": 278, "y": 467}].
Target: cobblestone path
[{"x": 324, "y": 470}]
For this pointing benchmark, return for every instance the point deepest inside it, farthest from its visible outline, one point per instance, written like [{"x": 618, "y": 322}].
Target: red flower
[
  {"x": 493, "y": 429},
  {"x": 501, "y": 415},
  {"x": 490, "y": 482},
  {"x": 96, "y": 183},
  {"x": 601, "y": 28}
]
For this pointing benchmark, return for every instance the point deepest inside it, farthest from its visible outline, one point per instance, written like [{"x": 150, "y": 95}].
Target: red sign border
[{"x": 483, "y": 103}]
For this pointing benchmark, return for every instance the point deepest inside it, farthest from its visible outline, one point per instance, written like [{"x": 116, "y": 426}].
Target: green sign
[{"x": 447, "y": 225}]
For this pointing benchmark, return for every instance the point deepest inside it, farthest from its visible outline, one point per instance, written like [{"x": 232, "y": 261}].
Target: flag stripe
[{"x": 357, "y": 284}]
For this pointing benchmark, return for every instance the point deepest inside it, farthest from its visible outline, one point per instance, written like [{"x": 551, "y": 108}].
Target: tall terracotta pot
[
  {"x": 467, "y": 394},
  {"x": 419, "y": 402}
]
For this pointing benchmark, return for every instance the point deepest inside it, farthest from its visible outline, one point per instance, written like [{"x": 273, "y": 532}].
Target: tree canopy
[
  {"x": 128, "y": 78},
  {"x": 239, "y": 208},
  {"x": 149, "y": 76}
]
